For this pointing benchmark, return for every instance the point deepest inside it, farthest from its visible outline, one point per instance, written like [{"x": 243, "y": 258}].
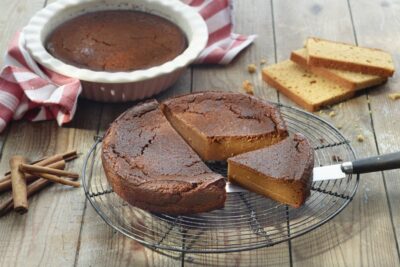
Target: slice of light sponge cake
[
  {"x": 348, "y": 79},
  {"x": 308, "y": 90},
  {"x": 335, "y": 55}
]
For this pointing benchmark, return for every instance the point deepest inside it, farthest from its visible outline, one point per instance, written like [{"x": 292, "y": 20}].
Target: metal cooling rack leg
[
  {"x": 175, "y": 223},
  {"x": 108, "y": 191},
  {"x": 288, "y": 234},
  {"x": 255, "y": 224},
  {"x": 193, "y": 240},
  {"x": 330, "y": 193},
  {"x": 332, "y": 145},
  {"x": 183, "y": 233}
]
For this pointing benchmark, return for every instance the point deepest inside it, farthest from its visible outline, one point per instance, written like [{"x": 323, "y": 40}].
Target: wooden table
[{"x": 62, "y": 229}]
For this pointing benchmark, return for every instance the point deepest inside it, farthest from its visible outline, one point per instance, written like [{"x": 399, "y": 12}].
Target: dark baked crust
[
  {"x": 219, "y": 125},
  {"x": 291, "y": 161},
  {"x": 150, "y": 166},
  {"x": 218, "y": 114},
  {"x": 116, "y": 40}
]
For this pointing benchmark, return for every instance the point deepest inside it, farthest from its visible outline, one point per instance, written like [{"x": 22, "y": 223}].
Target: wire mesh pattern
[{"x": 248, "y": 220}]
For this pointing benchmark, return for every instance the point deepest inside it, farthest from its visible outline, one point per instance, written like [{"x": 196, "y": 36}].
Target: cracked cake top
[
  {"x": 290, "y": 159},
  {"x": 151, "y": 166},
  {"x": 219, "y": 114},
  {"x": 116, "y": 40},
  {"x": 146, "y": 147}
]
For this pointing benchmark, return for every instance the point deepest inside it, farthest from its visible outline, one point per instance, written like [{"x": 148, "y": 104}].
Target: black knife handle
[{"x": 377, "y": 163}]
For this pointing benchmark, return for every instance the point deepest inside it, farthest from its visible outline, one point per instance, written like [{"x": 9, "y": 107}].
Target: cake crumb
[
  {"x": 248, "y": 87},
  {"x": 263, "y": 61},
  {"x": 332, "y": 114},
  {"x": 336, "y": 158},
  {"x": 394, "y": 96},
  {"x": 360, "y": 138},
  {"x": 339, "y": 127},
  {"x": 251, "y": 68}
]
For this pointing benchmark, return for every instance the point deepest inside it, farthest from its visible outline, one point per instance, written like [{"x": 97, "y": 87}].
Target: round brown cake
[
  {"x": 150, "y": 166},
  {"x": 116, "y": 40},
  {"x": 153, "y": 153}
]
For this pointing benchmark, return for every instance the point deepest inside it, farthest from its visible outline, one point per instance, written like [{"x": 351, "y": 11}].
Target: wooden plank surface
[
  {"x": 61, "y": 228},
  {"x": 377, "y": 25},
  {"x": 48, "y": 234},
  {"x": 249, "y": 19},
  {"x": 358, "y": 236}
]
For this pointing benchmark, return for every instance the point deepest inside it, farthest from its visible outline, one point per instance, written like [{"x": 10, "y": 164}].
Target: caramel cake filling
[
  {"x": 282, "y": 172},
  {"x": 219, "y": 125}
]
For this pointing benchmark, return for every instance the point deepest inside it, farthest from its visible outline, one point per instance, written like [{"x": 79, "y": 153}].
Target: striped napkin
[{"x": 30, "y": 91}]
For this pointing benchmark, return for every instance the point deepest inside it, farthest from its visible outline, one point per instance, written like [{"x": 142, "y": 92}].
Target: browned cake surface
[
  {"x": 222, "y": 124},
  {"x": 282, "y": 171},
  {"x": 235, "y": 114},
  {"x": 149, "y": 165},
  {"x": 116, "y": 41}
]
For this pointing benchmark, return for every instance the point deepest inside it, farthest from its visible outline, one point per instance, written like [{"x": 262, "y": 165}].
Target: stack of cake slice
[{"x": 325, "y": 72}]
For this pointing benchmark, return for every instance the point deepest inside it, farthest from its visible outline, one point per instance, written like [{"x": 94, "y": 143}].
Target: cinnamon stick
[
  {"x": 67, "y": 156},
  {"x": 56, "y": 179},
  {"x": 40, "y": 169},
  {"x": 6, "y": 184},
  {"x": 19, "y": 188},
  {"x": 33, "y": 188}
]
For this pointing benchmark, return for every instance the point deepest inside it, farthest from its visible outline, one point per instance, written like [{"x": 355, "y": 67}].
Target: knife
[
  {"x": 365, "y": 165},
  {"x": 339, "y": 171}
]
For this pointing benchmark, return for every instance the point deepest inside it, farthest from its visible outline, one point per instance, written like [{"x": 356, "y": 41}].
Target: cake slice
[
  {"x": 282, "y": 172},
  {"x": 305, "y": 88},
  {"x": 348, "y": 79},
  {"x": 335, "y": 55},
  {"x": 218, "y": 125}
]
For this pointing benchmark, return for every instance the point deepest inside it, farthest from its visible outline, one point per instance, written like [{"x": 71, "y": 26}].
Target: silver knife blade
[
  {"x": 234, "y": 188},
  {"x": 330, "y": 172}
]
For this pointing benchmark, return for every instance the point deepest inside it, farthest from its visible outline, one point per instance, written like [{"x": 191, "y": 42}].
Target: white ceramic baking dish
[{"x": 118, "y": 86}]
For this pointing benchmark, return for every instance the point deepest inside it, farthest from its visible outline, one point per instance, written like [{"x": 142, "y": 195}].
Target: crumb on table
[
  {"x": 394, "y": 96},
  {"x": 336, "y": 158},
  {"x": 248, "y": 87},
  {"x": 360, "y": 138},
  {"x": 332, "y": 114},
  {"x": 263, "y": 61},
  {"x": 251, "y": 68}
]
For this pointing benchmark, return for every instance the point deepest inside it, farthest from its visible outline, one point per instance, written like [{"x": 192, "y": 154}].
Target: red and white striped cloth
[
  {"x": 28, "y": 90},
  {"x": 223, "y": 45}
]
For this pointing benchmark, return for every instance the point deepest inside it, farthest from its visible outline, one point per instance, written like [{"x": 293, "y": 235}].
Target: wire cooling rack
[{"x": 248, "y": 220}]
